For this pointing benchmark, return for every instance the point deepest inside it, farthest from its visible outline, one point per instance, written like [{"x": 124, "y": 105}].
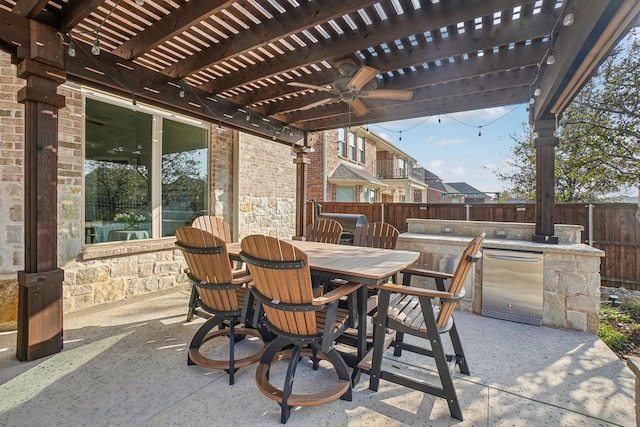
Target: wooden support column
[
  {"x": 545, "y": 143},
  {"x": 301, "y": 161},
  {"x": 40, "y": 284}
]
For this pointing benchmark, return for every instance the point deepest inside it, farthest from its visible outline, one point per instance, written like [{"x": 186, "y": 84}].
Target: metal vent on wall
[{"x": 512, "y": 317}]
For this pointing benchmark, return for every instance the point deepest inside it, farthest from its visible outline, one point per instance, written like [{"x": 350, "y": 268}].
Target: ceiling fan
[{"x": 353, "y": 85}]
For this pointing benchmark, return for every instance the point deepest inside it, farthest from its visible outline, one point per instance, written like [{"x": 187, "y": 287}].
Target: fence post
[
  {"x": 467, "y": 206},
  {"x": 382, "y": 212},
  {"x": 590, "y": 224}
]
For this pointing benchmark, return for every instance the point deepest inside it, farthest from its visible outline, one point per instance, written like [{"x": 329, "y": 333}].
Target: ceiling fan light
[{"x": 551, "y": 59}]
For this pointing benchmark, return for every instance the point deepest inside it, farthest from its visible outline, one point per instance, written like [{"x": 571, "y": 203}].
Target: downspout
[{"x": 324, "y": 165}]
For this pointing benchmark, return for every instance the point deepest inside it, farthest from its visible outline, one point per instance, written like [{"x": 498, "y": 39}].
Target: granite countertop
[{"x": 516, "y": 245}]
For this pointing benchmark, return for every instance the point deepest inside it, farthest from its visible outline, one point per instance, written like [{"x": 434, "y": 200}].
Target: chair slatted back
[
  {"x": 459, "y": 277},
  {"x": 209, "y": 268},
  {"x": 376, "y": 235},
  {"x": 324, "y": 231},
  {"x": 214, "y": 225},
  {"x": 279, "y": 284}
]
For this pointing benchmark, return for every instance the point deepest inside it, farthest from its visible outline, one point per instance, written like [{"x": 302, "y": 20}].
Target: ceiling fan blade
[
  {"x": 358, "y": 107},
  {"x": 317, "y": 103},
  {"x": 362, "y": 77},
  {"x": 308, "y": 86},
  {"x": 403, "y": 95}
]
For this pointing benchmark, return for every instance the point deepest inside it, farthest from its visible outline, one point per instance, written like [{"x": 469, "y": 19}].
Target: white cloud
[{"x": 445, "y": 172}]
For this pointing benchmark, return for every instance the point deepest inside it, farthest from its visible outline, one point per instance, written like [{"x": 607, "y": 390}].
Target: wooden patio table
[{"x": 370, "y": 266}]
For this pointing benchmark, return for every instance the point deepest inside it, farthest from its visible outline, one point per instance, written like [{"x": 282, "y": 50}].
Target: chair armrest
[
  {"x": 241, "y": 279},
  {"x": 427, "y": 273},
  {"x": 412, "y": 290},
  {"x": 337, "y": 293}
]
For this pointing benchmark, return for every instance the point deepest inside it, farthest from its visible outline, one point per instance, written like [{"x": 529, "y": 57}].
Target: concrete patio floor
[{"x": 125, "y": 365}]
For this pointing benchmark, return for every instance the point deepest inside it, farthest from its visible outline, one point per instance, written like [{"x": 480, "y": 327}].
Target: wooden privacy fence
[{"x": 612, "y": 227}]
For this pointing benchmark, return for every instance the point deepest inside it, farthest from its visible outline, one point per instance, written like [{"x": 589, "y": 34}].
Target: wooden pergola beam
[
  {"x": 474, "y": 74},
  {"x": 380, "y": 32},
  {"x": 453, "y": 104},
  {"x": 298, "y": 19}
]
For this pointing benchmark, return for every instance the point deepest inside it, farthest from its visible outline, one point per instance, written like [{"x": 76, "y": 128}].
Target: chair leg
[
  {"x": 232, "y": 346},
  {"x": 341, "y": 369},
  {"x": 288, "y": 383},
  {"x": 397, "y": 350},
  {"x": 378, "y": 340},
  {"x": 440, "y": 358},
  {"x": 461, "y": 359},
  {"x": 197, "y": 339},
  {"x": 193, "y": 303}
]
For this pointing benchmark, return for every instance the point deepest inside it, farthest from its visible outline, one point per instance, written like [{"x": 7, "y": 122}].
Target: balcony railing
[{"x": 392, "y": 169}]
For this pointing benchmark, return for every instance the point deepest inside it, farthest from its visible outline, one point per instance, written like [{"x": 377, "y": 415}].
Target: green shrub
[
  {"x": 613, "y": 314},
  {"x": 634, "y": 307},
  {"x": 612, "y": 338}
]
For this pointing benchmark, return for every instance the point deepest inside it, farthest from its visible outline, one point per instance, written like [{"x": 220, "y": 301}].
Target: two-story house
[{"x": 355, "y": 165}]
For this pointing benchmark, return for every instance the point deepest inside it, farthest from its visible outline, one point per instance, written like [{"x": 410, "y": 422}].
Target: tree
[{"x": 598, "y": 152}]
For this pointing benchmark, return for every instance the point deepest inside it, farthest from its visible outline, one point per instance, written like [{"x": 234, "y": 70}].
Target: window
[
  {"x": 345, "y": 194},
  {"x": 144, "y": 174},
  {"x": 342, "y": 147},
  {"x": 352, "y": 146},
  {"x": 401, "y": 167},
  {"x": 361, "y": 149},
  {"x": 369, "y": 195}
]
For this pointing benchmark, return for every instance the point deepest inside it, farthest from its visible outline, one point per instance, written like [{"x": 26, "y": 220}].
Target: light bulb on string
[
  {"x": 72, "y": 48},
  {"x": 536, "y": 92},
  {"x": 181, "y": 92},
  {"x": 551, "y": 59},
  {"x": 569, "y": 18},
  {"x": 479, "y": 130},
  {"x": 400, "y": 139},
  {"x": 95, "y": 49},
  {"x": 140, "y": 2}
]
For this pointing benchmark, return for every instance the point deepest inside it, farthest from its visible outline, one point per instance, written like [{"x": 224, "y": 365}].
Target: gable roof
[{"x": 352, "y": 175}]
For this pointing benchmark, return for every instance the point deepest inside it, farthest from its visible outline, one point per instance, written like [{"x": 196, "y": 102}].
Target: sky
[{"x": 452, "y": 148}]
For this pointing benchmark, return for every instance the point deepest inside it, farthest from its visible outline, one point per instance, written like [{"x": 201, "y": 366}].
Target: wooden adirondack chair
[
  {"x": 410, "y": 310},
  {"x": 376, "y": 235},
  {"x": 324, "y": 231},
  {"x": 299, "y": 320},
  {"x": 221, "y": 295},
  {"x": 221, "y": 229}
]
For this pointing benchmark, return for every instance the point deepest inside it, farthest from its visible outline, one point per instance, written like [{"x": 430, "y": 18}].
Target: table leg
[{"x": 361, "y": 300}]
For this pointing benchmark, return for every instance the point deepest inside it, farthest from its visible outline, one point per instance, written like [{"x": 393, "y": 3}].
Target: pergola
[{"x": 233, "y": 62}]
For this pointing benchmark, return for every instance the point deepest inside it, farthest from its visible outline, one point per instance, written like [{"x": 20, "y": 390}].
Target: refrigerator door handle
[{"x": 513, "y": 258}]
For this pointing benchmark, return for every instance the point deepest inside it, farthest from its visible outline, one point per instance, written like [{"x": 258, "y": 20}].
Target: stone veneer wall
[
  {"x": 571, "y": 279},
  {"x": 11, "y": 196},
  {"x": 267, "y": 188},
  {"x": 106, "y": 272}
]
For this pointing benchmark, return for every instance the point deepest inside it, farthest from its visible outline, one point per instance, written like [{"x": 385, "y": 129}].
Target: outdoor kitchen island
[{"x": 571, "y": 270}]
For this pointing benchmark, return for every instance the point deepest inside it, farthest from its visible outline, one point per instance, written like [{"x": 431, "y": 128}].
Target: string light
[
  {"x": 400, "y": 139},
  {"x": 95, "y": 49},
  {"x": 569, "y": 17},
  {"x": 536, "y": 92},
  {"x": 551, "y": 59},
  {"x": 181, "y": 93},
  {"x": 479, "y": 130},
  {"x": 140, "y": 2},
  {"x": 72, "y": 47}
]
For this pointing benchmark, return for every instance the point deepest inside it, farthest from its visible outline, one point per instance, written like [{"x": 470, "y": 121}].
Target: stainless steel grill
[{"x": 349, "y": 222}]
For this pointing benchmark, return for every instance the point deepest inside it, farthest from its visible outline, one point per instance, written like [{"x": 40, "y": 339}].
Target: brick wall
[
  {"x": 267, "y": 187},
  {"x": 11, "y": 180},
  {"x": 106, "y": 272}
]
